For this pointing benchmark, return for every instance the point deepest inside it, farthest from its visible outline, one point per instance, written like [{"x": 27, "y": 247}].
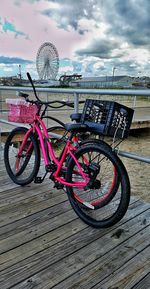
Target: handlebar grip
[
  {"x": 31, "y": 81},
  {"x": 29, "y": 77}
]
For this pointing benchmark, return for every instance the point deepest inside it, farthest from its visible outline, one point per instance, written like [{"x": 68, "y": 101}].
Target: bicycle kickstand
[{"x": 39, "y": 180}]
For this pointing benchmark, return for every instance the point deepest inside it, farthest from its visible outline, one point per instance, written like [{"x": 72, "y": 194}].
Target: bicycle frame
[{"x": 68, "y": 149}]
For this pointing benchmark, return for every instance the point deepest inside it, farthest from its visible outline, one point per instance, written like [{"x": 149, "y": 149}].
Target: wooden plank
[
  {"x": 31, "y": 224},
  {"x": 50, "y": 267},
  {"x": 127, "y": 275},
  {"x": 57, "y": 272},
  {"x": 56, "y": 230},
  {"x": 26, "y": 190},
  {"x": 21, "y": 193},
  {"x": 105, "y": 266},
  {"x": 61, "y": 216},
  {"x": 28, "y": 207},
  {"x": 44, "y": 244},
  {"x": 15, "y": 195},
  {"x": 7, "y": 184},
  {"x": 11, "y": 235},
  {"x": 42, "y": 230},
  {"x": 144, "y": 283}
]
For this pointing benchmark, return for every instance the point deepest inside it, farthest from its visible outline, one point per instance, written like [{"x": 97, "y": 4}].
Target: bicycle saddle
[
  {"x": 76, "y": 116},
  {"x": 76, "y": 127}
]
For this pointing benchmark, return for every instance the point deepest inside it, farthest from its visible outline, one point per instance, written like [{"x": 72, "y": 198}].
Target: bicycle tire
[
  {"x": 22, "y": 169},
  {"x": 106, "y": 215}
]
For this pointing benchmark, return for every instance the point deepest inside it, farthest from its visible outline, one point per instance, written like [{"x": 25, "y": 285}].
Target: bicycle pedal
[
  {"x": 38, "y": 180},
  {"x": 58, "y": 186}
]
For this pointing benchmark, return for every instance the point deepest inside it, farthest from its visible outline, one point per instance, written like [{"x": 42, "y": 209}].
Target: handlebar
[
  {"x": 39, "y": 102},
  {"x": 60, "y": 103}
]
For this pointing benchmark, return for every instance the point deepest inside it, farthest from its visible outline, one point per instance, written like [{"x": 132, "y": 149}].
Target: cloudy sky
[{"x": 91, "y": 36}]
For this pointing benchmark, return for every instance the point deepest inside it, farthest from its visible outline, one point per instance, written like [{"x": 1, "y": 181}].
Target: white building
[{"x": 103, "y": 82}]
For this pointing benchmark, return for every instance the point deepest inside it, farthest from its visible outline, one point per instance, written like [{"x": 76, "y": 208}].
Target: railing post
[
  {"x": 76, "y": 102},
  {"x": 1, "y": 111},
  {"x": 1, "y": 146},
  {"x": 134, "y": 102},
  {"x": 1, "y": 108}
]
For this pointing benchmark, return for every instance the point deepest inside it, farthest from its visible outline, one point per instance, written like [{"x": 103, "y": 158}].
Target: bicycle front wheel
[
  {"x": 22, "y": 163},
  {"x": 97, "y": 203}
]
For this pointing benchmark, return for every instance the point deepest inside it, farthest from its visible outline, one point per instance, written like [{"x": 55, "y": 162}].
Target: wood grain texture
[{"x": 43, "y": 244}]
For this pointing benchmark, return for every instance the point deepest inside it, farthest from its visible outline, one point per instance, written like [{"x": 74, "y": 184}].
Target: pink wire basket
[{"x": 20, "y": 111}]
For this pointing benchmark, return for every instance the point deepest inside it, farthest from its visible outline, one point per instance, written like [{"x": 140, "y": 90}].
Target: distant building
[
  {"x": 74, "y": 80},
  {"x": 8, "y": 81},
  {"x": 122, "y": 81}
]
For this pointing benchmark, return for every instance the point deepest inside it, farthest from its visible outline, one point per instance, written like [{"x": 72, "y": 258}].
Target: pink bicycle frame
[{"x": 67, "y": 150}]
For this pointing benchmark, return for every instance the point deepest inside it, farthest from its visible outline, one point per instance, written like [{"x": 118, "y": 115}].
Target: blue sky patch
[
  {"x": 7, "y": 26},
  {"x": 65, "y": 62},
  {"x": 14, "y": 60}
]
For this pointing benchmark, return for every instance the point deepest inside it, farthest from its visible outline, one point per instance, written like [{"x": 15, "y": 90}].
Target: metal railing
[
  {"x": 134, "y": 156},
  {"x": 76, "y": 93}
]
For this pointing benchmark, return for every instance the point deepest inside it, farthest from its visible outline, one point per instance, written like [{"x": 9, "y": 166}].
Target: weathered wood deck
[{"x": 43, "y": 244}]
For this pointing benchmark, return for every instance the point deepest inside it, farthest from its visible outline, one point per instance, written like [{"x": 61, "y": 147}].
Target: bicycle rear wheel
[
  {"x": 22, "y": 165},
  {"x": 98, "y": 204}
]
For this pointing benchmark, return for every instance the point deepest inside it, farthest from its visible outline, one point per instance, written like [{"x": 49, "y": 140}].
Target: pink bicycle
[{"x": 90, "y": 172}]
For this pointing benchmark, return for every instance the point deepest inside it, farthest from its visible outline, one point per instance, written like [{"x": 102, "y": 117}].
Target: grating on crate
[{"x": 107, "y": 117}]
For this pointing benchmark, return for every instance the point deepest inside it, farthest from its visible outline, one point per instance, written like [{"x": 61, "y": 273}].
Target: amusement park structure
[
  {"x": 66, "y": 79},
  {"x": 47, "y": 61}
]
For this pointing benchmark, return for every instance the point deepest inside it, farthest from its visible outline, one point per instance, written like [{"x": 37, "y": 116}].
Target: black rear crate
[{"x": 107, "y": 117}]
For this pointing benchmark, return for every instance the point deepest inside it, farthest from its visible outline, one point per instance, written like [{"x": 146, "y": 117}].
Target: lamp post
[
  {"x": 113, "y": 74},
  {"x": 20, "y": 76}
]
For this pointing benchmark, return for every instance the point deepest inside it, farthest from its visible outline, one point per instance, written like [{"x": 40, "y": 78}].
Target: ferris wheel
[{"x": 47, "y": 61}]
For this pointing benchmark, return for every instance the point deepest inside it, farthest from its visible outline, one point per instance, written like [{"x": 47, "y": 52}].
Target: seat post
[{"x": 72, "y": 134}]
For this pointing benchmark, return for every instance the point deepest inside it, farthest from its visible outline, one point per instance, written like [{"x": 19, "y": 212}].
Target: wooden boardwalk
[{"x": 43, "y": 244}]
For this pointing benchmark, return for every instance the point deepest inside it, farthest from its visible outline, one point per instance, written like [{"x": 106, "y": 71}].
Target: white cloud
[{"x": 66, "y": 70}]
